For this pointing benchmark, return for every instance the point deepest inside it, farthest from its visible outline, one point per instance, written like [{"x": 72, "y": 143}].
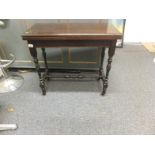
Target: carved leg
[
  {"x": 33, "y": 53},
  {"x": 45, "y": 61},
  {"x": 101, "y": 74},
  {"x": 110, "y": 55}
]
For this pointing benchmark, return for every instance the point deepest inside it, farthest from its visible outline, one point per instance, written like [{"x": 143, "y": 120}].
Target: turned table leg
[
  {"x": 33, "y": 53},
  {"x": 101, "y": 72},
  {"x": 46, "y": 65},
  {"x": 108, "y": 67}
]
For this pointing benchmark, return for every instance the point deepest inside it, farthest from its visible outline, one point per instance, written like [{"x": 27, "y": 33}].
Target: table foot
[
  {"x": 103, "y": 92},
  {"x": 43, "y": 89},
  {"x": 42, "y": 86},
  {"x": 105, "y": 86}
]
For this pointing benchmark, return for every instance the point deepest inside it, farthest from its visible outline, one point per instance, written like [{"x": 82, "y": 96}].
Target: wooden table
[{"x": 44, "y": 35}]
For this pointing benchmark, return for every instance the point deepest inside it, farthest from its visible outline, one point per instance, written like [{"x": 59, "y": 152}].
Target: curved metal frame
[{"x": 7, "y": 63}]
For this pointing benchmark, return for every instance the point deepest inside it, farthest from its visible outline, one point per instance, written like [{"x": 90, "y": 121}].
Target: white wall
[{"x": 140, "y": 30}]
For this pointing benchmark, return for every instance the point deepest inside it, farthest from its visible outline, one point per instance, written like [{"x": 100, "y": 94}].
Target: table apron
[{"x": 70, "y": 43}]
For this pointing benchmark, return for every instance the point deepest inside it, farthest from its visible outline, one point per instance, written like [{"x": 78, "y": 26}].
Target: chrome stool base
[
  {"x": 8, "y": 83},
  {"x": 11, "y": 83}
]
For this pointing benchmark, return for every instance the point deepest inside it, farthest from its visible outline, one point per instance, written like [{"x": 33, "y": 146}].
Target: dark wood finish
[
  {"x": 110, "y": 55},
  {"x": 72, "y": 31},
  {"x": 45, "y": 61},
  {"x": 69, "y": 43},
  {"x": 101, "y": 71},
  {"x": 45, "y": 35},
  {"x": 33, "y": 53}
]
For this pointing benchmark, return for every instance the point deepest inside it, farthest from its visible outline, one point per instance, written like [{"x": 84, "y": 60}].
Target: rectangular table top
[{"x": 72, "y": 31}]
